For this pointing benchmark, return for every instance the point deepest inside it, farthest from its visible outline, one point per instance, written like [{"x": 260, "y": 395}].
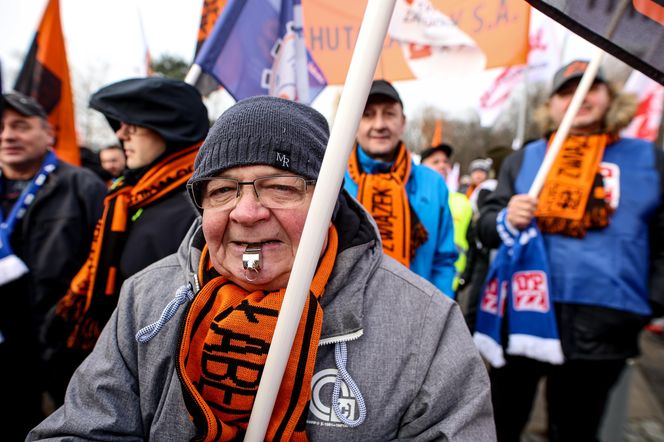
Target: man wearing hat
[
  {"x": 602, "y": 219},
  {"x": 439, "y": 158},
  {"x": 184, "y": 353},
  {"x": 161, "y": 124},
  {"x": 48, "y": 210},
  {"x": 479, "y": 170},
  {"x": 407, "y": 201}
]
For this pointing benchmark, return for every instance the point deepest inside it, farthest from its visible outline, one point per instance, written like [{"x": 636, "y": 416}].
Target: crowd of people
[{"x": 140, "y": 302}]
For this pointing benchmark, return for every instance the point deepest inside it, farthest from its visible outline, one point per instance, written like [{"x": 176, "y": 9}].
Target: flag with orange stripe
[{"x": 45, "y": 76}]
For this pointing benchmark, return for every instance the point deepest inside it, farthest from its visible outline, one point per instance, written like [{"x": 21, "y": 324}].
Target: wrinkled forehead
[
  {"x": 244, "y": 173},
  {"x": 382, "y": 101},
  {"x": 11, "y": 117}
]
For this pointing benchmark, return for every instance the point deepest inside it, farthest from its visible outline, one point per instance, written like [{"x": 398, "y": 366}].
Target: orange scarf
[
  {"x": 572, "y": 198},
  {"x": 226, "y": 338},
  {"x": 93, "y": 293},
  {"x": 384, "y": 196}
]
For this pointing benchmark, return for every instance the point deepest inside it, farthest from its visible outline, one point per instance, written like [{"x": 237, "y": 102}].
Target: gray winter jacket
[{"x": 409, "y": 353}]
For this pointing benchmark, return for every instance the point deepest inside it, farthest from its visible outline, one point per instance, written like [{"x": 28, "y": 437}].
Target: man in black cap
[
  {"x": 601, "y": 214},
  {"x": 48, "y": 210},
  {"x": 407, "y": 201},
  {"x": 160, "y": 123}
]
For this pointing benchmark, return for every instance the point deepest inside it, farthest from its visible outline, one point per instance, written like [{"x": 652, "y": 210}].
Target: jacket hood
[
  {"x": 171, "y": 108},
  {"x": 359, "y": 255},
  {"x": 621, "y": 111}
]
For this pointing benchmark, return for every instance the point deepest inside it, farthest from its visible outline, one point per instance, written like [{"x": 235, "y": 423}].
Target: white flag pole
[
  {"x": 353, "y": 98},
  {"x": 561, "y": 134},
  {"x": 577, "y": 100},
  {"x": 193, "y": 74}
]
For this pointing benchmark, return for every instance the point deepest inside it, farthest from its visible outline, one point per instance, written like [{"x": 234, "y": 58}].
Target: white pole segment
[
  {"x": 581, "y": 91},
  {"x": 193, "y": 75},
  {"x": 558, "y": 140},
  {"x": 358, "y": 81}
]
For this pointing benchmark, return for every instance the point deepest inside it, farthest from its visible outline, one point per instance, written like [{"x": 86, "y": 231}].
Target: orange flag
[
  {"x": 45, "y": 76},
  {"x": 209, "y": 13}
]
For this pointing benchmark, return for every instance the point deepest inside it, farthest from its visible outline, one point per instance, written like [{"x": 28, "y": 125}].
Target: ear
[{"x": 50, "y": 133}]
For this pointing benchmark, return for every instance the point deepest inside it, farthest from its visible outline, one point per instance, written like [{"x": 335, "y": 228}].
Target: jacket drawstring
[
  {"x": 183, "y": 295},
  {"x": 340, "y": 358}
]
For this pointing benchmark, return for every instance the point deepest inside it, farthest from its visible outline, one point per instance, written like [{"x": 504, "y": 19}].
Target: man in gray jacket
[{"x": 380, "y": 354}]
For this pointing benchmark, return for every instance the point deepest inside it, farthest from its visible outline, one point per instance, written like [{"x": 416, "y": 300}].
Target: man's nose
[
  {"x": 379, "y": 121},
  {"x": 121, "y": 133},
  {"x": 248, "y": 209}
]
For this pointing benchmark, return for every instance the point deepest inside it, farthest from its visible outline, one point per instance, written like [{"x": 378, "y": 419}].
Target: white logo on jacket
[
  {"x": 322, "y": 384},
  {"x": 611, "y": 174}
]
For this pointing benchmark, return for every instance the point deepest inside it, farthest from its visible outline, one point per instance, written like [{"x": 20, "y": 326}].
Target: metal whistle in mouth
[{"x": 251, "y": 258}]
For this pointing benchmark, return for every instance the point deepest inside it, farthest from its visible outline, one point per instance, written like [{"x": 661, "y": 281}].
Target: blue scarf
[
  {"x": 11, "y": 266},
  {"x": 518, "y": 288}
]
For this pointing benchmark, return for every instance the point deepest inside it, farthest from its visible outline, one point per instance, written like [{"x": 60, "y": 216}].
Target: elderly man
[
  {"x": 161, "y": 124},
  {"x": 407, "y": 201},
  {"x": 602, "y": 217},
  {"x": 48, "y": 210},
  {"x": 195, "y": 372}
]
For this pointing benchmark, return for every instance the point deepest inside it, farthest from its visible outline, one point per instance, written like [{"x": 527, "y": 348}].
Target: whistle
[{"x": 251, "y": 258}]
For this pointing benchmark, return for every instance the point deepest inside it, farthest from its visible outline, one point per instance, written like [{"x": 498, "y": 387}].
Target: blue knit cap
[{"x": 265, "y": 131}]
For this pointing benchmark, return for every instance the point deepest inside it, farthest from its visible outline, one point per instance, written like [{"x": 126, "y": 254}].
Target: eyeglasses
[
  {"x": 273, "y": 192},
  {"x": 128, "y": 129}
]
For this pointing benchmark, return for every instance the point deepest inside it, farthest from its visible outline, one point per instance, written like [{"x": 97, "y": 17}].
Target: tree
[{"x": 170, "y": 66}]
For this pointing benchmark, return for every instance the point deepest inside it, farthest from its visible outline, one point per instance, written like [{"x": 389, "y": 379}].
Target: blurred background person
[
  {"x": 439, "y": 158},
  {"x": 160, "y": 123},
  {"x": 48, "y": 211},
  {"x": 113, "y": 160}
]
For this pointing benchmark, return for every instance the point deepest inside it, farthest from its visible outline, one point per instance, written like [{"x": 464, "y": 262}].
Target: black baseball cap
[
  {"x": 572, "y": 71},
  {"x": 382, "y": 87},
  {"x": 444, "y": 148},
  {"x": 24, "y": 105}
]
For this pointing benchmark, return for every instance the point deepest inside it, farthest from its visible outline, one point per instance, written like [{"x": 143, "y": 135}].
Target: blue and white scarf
[
  {"x": 11, "y": 266},
  {"x": 518, "y": 288}
]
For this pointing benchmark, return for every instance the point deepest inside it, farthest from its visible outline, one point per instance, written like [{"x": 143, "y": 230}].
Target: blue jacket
[
  {"x": 427, "y": 195},
  {"x": 601, "y": 283},
  {"x": 610, "y": 267}
]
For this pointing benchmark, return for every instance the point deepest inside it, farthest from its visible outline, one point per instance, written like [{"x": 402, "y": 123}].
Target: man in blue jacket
[{"x": 407, "y": 201}]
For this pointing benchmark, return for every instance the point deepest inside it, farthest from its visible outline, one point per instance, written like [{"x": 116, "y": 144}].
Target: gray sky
[{"x": 103, "y": 37}]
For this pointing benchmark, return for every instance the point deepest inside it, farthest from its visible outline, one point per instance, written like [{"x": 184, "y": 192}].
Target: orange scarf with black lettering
[
  {"x": 93, "y": 293},
  {"x": 224, "y": 346},
  {"x": 572, "y": 199},
  {"x": 384, "y": 196}
]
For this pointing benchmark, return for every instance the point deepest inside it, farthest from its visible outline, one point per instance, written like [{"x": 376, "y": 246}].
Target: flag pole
[
  {"x": 193, "y": 75},
  {"x": 561, "y": 134},
  {"x": 341, "y": 143},
  {"x": 577, "y": 100}
]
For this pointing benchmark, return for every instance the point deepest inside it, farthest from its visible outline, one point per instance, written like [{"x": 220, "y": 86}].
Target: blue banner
[{"x": 253, "y": 49}]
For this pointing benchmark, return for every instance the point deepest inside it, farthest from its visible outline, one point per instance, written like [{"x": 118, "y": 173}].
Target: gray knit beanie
[{"x": 265, "y": 131}]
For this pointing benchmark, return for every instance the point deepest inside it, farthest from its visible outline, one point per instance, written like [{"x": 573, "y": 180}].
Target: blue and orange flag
[
  {"x": 257, "y": 48},
  {"x": 45, "y": 76}
]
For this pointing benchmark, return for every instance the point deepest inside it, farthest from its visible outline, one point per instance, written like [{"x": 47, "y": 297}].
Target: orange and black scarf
[
  {"x": 573, "y": 196},
  {"x": 224, "y": 346},
  {"x": 384, "y": 196},
  {"x": 93, "y": 293}
]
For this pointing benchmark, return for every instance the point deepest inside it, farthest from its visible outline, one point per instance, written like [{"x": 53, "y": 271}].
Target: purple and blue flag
[{"x": 257, "y": 48}]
